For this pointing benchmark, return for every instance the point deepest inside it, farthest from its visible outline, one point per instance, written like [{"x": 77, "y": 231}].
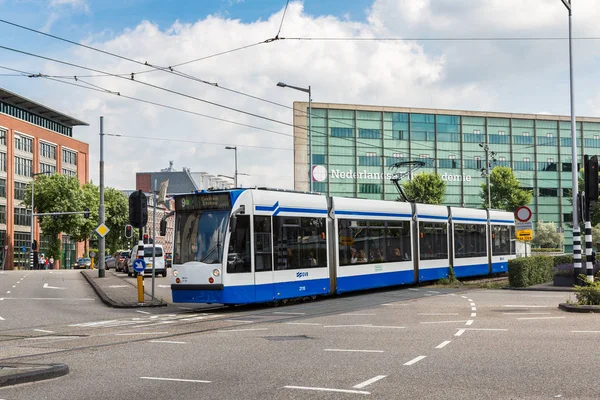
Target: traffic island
[
  {"x": 119, "y": 293},
  {"x": 579, "y": 308},
  {"x": 18, "y": 373}
]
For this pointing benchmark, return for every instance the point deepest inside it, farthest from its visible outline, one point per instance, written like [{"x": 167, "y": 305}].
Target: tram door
[{"x": 263, "y": 259}]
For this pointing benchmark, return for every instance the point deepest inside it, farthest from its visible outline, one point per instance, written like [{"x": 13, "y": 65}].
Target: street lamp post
[
  {"x": 33, "y": 212},
  {"x": 486, "y": 171},
  {"x": 234, "y": 148},
  {"x": 576, "y": 232},
  {"x": 310, "y": 161}
]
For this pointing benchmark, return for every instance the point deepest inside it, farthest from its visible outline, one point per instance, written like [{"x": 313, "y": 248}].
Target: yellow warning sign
[
  {"x": 102, "y": 230},
  {"x": 525, "y": 235}
]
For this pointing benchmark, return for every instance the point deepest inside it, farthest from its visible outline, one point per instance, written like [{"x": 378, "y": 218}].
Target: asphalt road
[{"x": 400, "y": 344}]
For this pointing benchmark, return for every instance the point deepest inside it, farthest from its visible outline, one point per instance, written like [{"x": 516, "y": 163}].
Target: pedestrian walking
[{"x": 51, "y": 262}]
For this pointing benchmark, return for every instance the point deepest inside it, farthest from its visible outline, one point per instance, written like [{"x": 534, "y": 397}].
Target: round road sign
[
  {"x": 523, "y": 214},
  {"x": 139, "y": 265}
]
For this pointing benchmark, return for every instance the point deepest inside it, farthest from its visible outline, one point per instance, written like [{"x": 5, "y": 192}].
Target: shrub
[
  {"x": 589, "y": 294},
  {"x": 563, "y": 259},
  {"x": 527, "y": 271},
  {"x": 546, "y": 250}
]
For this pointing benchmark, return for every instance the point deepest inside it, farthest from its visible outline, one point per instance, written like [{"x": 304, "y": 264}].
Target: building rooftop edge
[
  {"x": 367, "y": 107},
  {"x": 37, "y": 108}
]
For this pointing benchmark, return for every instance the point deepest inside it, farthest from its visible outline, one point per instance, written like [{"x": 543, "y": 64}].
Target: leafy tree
[
  {"x": 505, "y": 190},
  {"x": 425, "y": 188},
  {"x": 116, "y": 218},
  {"x": 85, "y": 226},
  {"x": 56, "y": 193},
  {"x": 546, "y": 236}
]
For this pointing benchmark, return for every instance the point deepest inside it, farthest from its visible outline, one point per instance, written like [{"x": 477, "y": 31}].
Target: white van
[{"x": 159, "y": 255}]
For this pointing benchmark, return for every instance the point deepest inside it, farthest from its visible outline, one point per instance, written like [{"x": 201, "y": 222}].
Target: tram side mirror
[{"x": 163, "y": 227}]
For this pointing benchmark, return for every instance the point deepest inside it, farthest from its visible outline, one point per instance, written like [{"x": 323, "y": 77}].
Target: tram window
[
  {"x": 433, "y": 241},
  {"x": 301, "y": 245},
  {"x": 365, "y": 242},
  {"x": 469, "y": 240},
  {"x": 262, "y": 244},
  {"x": 501, "y": 240},
  {"x": 238, "y": 259}
]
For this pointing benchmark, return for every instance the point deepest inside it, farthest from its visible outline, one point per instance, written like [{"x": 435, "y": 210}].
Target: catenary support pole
[
  {"x": 154, "y": 234},
  {"x": 101, "y": 240}
]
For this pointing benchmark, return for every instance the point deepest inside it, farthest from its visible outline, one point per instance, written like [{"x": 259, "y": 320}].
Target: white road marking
[
  {"x": 154, "y": 317},
  {"x": 43, "y": 330},
  {"x": 442, "y": 322},
  {"x": 8, "y": 292},
  {"x": 355, "y": 351},
  {"x": 472, "y": 304},
  {"x": 53, "y": 337},
  {"x": 543, "y": 318},
  {"x": 142, "y": 312},
  {"x": 174, "y": 379},
  {"x": 473, "y": 308},
  {"x": 438, "y": 314},
  {"x": 464, "y": 297},
  {"x": 14, "y": 286},
  {"x": 327, "y": 389},
  {"x": 528, "y": 313},
  {"x": 368, "y": 382},
  {"x": 365, "y": 326},
  {"x": 485, "y": 329},
  {"x": 2, "y": 319},
  {"x": 415, "y": 360},
  {"x": 167, "y": 341},
  {"x": 386, "y": 327},
  {"x": 443, "y": 344},
  {"x": 364, "y": 315},
  {"x": 469, "y": 322},
  {"x": 460, "y": 332},
  {"x": 238, "y": 320},
  {"x": 302, "y": 323},
  {"x": 473, "y": 314},
  {"x": 243, "y": 330},
  {"x": 118, "y": 286},
  {"x": 414, "y": 290},
  {"x": 288, "y": 313},
  {"x": 1, "y": 298},
  {"x": 52, "y": 287},
  {"x": 141, "y": 333},
  {"x": 432, "y": 291},
  {"x": 522, "y": 306},
  {"x": 469, "y": 299},
  {"x": 585, "y": 331}
]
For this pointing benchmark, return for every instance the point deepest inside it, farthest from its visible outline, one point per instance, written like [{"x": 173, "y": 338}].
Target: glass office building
[{"x": 353, "y": 147}]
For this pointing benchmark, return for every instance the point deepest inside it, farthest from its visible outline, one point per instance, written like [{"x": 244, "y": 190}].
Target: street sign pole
[
  {"x": 101, "y": 240},
  {"x": 154, "y": 237}
]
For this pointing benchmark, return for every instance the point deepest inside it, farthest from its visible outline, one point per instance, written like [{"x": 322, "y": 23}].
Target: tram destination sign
[{"x": 208, "y": 201}]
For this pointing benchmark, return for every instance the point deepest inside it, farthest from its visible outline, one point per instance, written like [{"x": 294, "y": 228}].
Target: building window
[
  {"x": 20, "y": 190},
  {"x": 399, "y": 135},
  {"x": 47, "y": 168},
  {"x": 2, "y": 214},
  {"x": 369, "y": 188},
  {"x": 3, "y": 162},
  {"x": 22, "y": 217},
  {"x": 369, "y": 133},
  {"x": 3, "y": 138},
  {"x": 47, "y": 150},
  {"x": 547, "y": 192},
  {"x": 525, "y": 133},
  {"x": 24, "y": 143},
  {"x": 342, "y": 132},
  {"x": 501, "y": 133},
  {"x": 318, "y": 159},
  {"x": 477, "y": 131},
  {"x": 568, "y": 217},
  {"x": 526, "y": 159},
  {"x": 23, "y": 167},
  {"x": 398, "y": 155},
  {"x": 68, "y": 172},
  {"x": 477, "y": 162},
  {"x": 3, "y": 188},
  {"x": 567, "y": 167},
  {"x": 69, "y": 157}
]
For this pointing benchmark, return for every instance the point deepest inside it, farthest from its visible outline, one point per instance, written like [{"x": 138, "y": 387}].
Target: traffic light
[
  {"x": 34, "y": 245},
  {"x": 145, "y": 238},
  {"x": 128, "y": 231},
  {"x": 163, "y": 227},
  {"x": 138, "y": 209},
  {"x": 86, "y": 213},
  {"x": 591, "y": 179}
]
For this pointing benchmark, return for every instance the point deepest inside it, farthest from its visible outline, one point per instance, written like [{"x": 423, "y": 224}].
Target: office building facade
[
  {"x": 34, "y": 139},
  {"x": 353, "y": 147}
]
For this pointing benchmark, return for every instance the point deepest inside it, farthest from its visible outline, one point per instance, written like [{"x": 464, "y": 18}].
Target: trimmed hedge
[
  {"x": 528, "y": 271},
  {"x": 546, "y": 250}
]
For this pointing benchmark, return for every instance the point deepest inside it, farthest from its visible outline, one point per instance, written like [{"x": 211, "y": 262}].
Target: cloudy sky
[{"x": 435, "y": 68}]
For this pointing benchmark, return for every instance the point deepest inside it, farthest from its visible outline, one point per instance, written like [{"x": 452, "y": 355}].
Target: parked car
[
  {"x": 110, "y": 262},
  {"x": 121, "y": 257},
  {"x": 159, "y": 268},
  {"x": 169, "y": 260},
  {"x": 83, "y": 263}
]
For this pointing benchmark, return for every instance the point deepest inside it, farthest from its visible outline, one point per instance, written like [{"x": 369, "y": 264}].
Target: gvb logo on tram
[{"x": 301, "y": 274}]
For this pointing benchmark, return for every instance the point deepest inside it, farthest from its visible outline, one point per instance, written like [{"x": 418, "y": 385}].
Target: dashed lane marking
[
  {"x": 414, "y": 360},
  {"x": 142, "y": 312},
  {"x": 2, "y": 319},
  {"x": 472, "y": 304},
  {"x": 485, "y": 329},
  {"x": 464, "y": 297},
  {"x": 460, "y": 332},
  {"x": 370, "y": 381},
  {"x": 473, "y": 308},
  {"x": 473, "y": 314},
  {"x": 469, "y": 299},
  {"x": 469, "y": 322},
  {"x": 43, "y": 330},
  {"x": 443, "y": 344},
  {"x": 8, "y": 292},
  {"x": 327, "y": 389},
  {"x": 530, "y": 318},
  {"x": 442, "y": 322},
  {"x": 174, "y": 379},
  {"x": 354, "y": 351}
]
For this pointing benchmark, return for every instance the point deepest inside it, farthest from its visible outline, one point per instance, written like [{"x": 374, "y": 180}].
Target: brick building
[{"x": 33, "y": 139}]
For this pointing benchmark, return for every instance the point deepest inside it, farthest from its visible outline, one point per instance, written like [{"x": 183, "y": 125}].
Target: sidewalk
[
  {"x": 17, "y": 373},
  {"x": 117, "y": 292},
  {"x": 545, "y": 287}
]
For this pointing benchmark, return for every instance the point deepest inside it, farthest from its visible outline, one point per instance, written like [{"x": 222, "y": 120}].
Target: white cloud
[
  {"x": 71, "y": 3},
  {"x": 498, "y": 76}
]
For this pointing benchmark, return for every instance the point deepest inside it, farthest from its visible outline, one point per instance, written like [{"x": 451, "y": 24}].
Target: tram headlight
[
  {"x": 175, "y": 273},
  {"x": 216, "y": 272}
]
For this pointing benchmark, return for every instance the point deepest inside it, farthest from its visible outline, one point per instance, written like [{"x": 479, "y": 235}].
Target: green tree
[
  {"x": 425, "y": 188},
  {"x": 85, "y": 226},
  {"x": 116, "y": 207},
  {"x": 546, "y": 236},
  {"x": 505, "y": 190},
  {"x": 56, "y": 193}
]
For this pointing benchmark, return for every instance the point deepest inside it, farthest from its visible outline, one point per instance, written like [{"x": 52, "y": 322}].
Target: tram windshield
[{"x": 200, "y": 236}]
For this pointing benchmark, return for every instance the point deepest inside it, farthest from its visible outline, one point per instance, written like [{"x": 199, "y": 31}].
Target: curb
[
  {"x": 543, "y": 289},
  {"x": 110, "y": 302},
  {"x": 54, "y": 371},
  {"x": 578, "y": 308}
]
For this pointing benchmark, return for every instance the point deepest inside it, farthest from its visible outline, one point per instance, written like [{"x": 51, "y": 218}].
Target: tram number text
[
  {"x": 302, "y": 288},
  {"x": 301, "y": 274}
]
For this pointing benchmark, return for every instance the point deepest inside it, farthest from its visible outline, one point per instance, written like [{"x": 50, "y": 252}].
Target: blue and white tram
[{"x": 258, "y": 245}]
